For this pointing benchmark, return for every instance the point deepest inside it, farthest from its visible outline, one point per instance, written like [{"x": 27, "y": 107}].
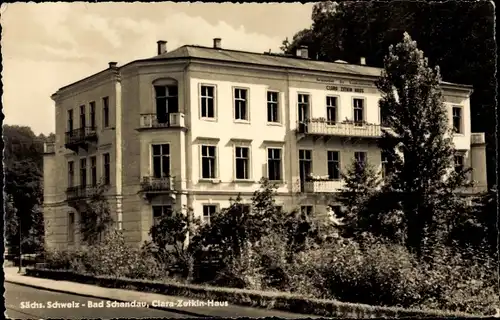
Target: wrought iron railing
[
  {"x": 80, "y": 192},
  {"x": 154, "y": 184},
  {"x": 80, "y": 135}
]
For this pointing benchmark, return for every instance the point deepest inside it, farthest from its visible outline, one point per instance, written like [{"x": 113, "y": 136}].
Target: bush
[{"x": 112, "y": 257}]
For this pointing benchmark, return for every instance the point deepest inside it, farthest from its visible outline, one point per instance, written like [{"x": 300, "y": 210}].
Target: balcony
[
  {"x": 80, "y": 138},
  {"x": 79, "y": 192},
  {"x": 151, "y": 186},
  {"x": 477, "y": 138},
  {"x": 153, "y": 121},
  {"x": 320, "y": 128},
  {"x": 49, "y": 147},
  {"x": 321, "y": 186}
]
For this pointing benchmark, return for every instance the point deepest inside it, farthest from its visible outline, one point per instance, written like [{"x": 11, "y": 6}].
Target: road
[{"x": 16, "y": 297}]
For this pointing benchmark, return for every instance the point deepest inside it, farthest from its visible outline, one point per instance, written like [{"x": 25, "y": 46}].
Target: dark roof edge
[{"x": 444, "y": 83}]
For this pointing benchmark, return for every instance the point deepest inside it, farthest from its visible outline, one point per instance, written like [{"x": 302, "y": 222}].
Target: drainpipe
[{"x": 118, "y": 148}]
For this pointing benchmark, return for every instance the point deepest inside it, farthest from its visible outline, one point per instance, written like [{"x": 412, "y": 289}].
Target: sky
[{"x": 46, "y": 46}]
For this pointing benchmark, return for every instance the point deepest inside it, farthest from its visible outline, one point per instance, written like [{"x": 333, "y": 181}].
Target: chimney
[
  {"x": 303, "y": 52},
  {"x": 112, "y": 64},
  {"x": 162, "y": 46},
  {"x": 217, "y": 43},
  {"x": 362, "y": 61}
]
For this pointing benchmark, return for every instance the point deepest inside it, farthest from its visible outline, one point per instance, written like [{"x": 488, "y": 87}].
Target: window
[
  {"x": 208, "y": 211},
  {"x": 161, "y": 160},
  {"x": 273, "y": 107},
  {"x": 333, "y": 165},
  {"x": 207, "y": 102},
  {"x": 208, "y": 158},
  {"x": 274, "y": 164},
  {"x": 105, "y": 112},
  {"x": 71, "y": 174},
  {"x": 360, "y": 157},
  {"x": 71, "y": 227},
  {"x": 459, "y": 163},
  {"x": 384, "y": 161},
  {"x": 305, "y": 164},
  {"x": 82, "y": 117},
  {"x": 306, "y": 210},
  {"x": 107, "y": 173},
  {"x": 457, "y": 119},
  {"x": 166, "y": 102},
  {"x": 245, "y": 208},
  {"x": 331, "y": 110},
  {"x": 93, "y": 171},
  {"x": 358, "y": 111},
  {"x": 242, "y": 163},
  {"x": 336, "y": 210},
  {"x": 160, "y": 211},
  {"x": 303, "y": 107},
  {"x": 83, "y": 172},
  {"x": 92, "y": 115},
  {"x": 70, "y": 120},
  {"x": 240, "y": 104}
]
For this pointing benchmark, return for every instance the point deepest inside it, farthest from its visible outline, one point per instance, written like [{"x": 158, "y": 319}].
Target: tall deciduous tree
[
  {"x": 23, "y": 160},
  {"x": 456, "y": 35},
  {"x": 95, "y": 219},
  {"x": 423, "y": 180}
]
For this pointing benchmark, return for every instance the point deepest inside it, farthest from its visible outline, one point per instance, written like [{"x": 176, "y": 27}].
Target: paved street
[{"x": 15, "y": 295}]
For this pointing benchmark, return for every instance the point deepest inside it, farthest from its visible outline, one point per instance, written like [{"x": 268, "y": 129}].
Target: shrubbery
[{"x": 295, "y": 253}]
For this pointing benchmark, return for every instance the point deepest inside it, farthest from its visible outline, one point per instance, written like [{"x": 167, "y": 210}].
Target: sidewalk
[{"x": 11, "y": 276}]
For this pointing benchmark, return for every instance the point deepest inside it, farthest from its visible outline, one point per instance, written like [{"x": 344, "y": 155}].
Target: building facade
[{"x": 196, "y": 126}]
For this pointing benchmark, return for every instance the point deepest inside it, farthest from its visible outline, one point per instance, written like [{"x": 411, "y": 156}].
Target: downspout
[{"x": 118, "y": 148}]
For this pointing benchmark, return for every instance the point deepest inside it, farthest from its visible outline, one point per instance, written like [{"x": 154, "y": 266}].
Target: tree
[
  {"x": 95, "y": 217},
  {"x": 170, "y": 241},
  {"x": 463, "y": 47},
  {"x": 23, "y": 160},
  {"x": 361, "y": 183},
  {"x": 423, "y": 182}
]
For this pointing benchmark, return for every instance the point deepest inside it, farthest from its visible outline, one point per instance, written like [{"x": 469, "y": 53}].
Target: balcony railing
[
  {"x": 80, "y": 192},
  {"x": 49, "y": 147},
  {"x": 313, "y": 186},
  {"x": 155, "y": 184},
  {"x": 170, "y": 120},
  {"x": 342, "y": 129},
  {"x": 477, "y": 138},
  {"x": 80, "y": 137}
]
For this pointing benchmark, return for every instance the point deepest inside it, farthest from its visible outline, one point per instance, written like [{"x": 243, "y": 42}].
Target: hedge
[{"x": 263, "y": 299}]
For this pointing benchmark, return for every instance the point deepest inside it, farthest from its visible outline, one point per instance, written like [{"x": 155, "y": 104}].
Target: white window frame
[
  {"x": 73, "y": 173},
  {"x": 461, "y": 131},
  {"x": 361, "y": 151},
  {"x": 310, "y": 160},
  {"x": 337, "y": 106},
  {"x": 71, "y": 227},
  {"x": 339, "y": 163},
  {"x": 217, "y": 171},
  {"x": 151, "y": 155},
  {"x": 249, "y": 162},
  {"x": 86, "y": 171},
  {"x": 354, "y": 108},
  {"x": 203, "y": 205},
  {"x": 309, "y": 104},
  {"x": 282, "y": 164},
  {"x": 201, "y": 85},
  {"x": 278, "y": 106},
  {"x": 247, "y": 104},
  {"x": 307, "y": 206}
]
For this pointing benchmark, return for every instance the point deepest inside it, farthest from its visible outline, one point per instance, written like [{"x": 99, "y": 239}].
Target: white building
[{"x": 195, "y": 126}]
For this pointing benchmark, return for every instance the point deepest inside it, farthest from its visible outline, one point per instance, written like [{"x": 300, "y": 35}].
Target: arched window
[{"x": 166, "y": 99}]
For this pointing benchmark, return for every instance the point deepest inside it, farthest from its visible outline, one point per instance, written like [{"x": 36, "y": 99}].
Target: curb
[{"x": 188, "y": 313}]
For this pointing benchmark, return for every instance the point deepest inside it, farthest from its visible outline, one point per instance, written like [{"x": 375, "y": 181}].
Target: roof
[
  {"x": 264, "y": 59},
  {"x": 274, "y": 60}
]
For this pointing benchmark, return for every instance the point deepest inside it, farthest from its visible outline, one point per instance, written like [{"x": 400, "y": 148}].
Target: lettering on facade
[{"x": 345, "y": 89}]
